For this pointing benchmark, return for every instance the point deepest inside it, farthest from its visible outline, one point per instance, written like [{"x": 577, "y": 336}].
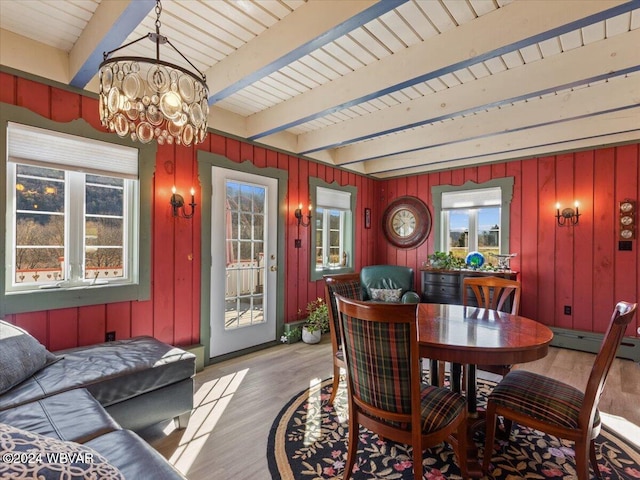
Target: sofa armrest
[{"x": 410, "y": 297}]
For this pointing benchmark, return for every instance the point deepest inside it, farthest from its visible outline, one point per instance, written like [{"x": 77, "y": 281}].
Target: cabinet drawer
[
  {"x": 442, "y": 290},
  {"x": 441, "y": 278},
  {"x": 438, "y": 298}
]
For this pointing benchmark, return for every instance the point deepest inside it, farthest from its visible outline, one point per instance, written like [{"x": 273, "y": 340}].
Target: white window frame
[
  {"x": 138, "y": 288},
  {"x": 470, "y": 201},
  {"x": 326, "y": 234},
  {"x": 473, "y": 190},
  {"x": 74, "y": 244},
  {"x": 333, "y": 197}
]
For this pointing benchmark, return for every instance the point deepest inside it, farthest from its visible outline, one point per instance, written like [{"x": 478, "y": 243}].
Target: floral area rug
[{"x": 307, "y": 441}]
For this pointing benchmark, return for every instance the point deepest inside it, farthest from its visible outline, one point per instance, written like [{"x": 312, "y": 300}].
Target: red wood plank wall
[{"x": 580, "y": 267}]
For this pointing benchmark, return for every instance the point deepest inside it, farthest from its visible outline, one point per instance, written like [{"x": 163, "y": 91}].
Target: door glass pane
[{"x": 245, "y": 235}]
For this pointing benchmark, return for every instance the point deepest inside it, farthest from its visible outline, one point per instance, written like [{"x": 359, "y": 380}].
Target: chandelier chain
[{"x": 158, "y": 12}]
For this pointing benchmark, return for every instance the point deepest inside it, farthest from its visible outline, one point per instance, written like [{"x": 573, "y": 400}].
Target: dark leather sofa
[{"x": 98, "y": 396}]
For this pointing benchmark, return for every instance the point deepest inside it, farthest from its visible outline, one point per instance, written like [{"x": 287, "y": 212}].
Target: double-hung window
[
  {"x": 473, "y": 217},
  {"x": 72, "y": 211},
  {"x": 333, "y": 235},
  {"x": 72, "y": 221}
]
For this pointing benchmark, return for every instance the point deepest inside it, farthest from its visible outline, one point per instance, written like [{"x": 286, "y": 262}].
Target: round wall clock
[{"x": 406, "y": 222}]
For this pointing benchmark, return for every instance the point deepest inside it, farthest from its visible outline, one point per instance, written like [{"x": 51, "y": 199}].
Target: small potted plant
[
  {"x": 444, "y": 261},
  {"x": 317, "y": 321}
]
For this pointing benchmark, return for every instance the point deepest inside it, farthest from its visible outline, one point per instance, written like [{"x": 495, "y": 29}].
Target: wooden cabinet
[{"x": 445, "y": 286}]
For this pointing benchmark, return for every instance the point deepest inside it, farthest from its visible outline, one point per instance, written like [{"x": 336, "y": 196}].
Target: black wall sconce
[
  {"x": 300, "y": 217},
  {"x": 177, "y": 202},
  {"x": 568, "y": 216}
]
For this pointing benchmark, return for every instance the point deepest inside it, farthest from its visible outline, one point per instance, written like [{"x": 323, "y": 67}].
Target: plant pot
[{"x": 311, "y": 337}]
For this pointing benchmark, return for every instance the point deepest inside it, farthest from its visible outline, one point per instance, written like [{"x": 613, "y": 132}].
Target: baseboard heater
[{"x": 590, "y": 342}]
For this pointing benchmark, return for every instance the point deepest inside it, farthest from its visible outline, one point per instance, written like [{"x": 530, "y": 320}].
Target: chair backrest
[
  {"x": 492, "y": 292},
  {"x": 380, "y": 348},
  {"x": 386, "y": 277},
  {"x": 347, "y": 285},
  {"x": 622, "y": 316}
]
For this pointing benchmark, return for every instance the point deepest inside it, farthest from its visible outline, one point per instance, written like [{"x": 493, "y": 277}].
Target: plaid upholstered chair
[
  {"x": 385, "y": 389},
  {"x": 556, "y": 408},
  {"x": 347, "y": 285}
]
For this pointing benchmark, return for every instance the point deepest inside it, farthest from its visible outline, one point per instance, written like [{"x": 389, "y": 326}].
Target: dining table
[{"x": 472, "y": 336}]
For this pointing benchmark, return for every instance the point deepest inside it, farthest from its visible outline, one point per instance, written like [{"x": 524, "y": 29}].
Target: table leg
[
  {"x": 434, "y": 375},
  {"x": 475, "y": 421},
  {"x": 472, "y": 400},
  {"x": 456, "y": 375}
]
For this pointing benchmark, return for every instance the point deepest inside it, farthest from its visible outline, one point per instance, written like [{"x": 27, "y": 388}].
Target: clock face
[
  {"x": 626, "y": 207},
  {"x": 626, "y": 220},
  {"x": 406, "y": 222},
  {"x": 403, "y": 223}
]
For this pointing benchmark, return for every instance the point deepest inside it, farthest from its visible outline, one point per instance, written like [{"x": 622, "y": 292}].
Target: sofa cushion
[
  {"x": 57, "y": 417},
  {"x": 30, "y": 455},
  {"x": 21, "y": 356},
  {"x": 112, "y": 372},
  {"x": 134, "y": 457}
]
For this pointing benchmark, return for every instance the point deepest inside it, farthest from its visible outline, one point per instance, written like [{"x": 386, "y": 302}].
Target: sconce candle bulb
[
  {"x": 177, "y": 202},
  {"x": 299, "y": 215}
]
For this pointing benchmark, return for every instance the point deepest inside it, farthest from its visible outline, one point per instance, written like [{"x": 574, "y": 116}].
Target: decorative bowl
[{"x": 474, "y": 260}]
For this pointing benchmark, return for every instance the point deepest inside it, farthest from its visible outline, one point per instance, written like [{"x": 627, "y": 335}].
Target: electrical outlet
[
  {"x": 567, "y": 309},
  {"x": 110, "y": 337}
]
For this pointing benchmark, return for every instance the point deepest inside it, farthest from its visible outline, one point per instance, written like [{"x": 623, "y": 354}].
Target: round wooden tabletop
[{"x": 470, "y": 335}]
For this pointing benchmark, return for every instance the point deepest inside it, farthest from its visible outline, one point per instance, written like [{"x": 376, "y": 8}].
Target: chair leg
[
  {"x": 461, "y": 449},
  {"x": 336, "y": 383},
  {"x": 352, "y": 447},
  {"x": 417, "y": 461},
  {"x": 490, "y": 422},
  {"x": 582, "y": 460},
  {"x": 594, "y": 459}
]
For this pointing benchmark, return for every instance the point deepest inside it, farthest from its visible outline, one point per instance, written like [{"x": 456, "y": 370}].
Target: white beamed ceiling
[{"x": 384, "y": 88}]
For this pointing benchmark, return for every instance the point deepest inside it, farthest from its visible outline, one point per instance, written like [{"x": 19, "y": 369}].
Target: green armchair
[{"x": 388, "y": 283}]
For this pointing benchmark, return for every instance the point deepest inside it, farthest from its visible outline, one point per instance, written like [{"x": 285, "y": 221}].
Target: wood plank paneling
[
  {"x": 92, "y": 322},
  {"x": 564, "y": 238},
  {"x": 528, "y": 256},
  {"x": 626, "y": 263},
  {"x": 184, "y": 266},
  {"x": 118, "y": 319},
  {"x": 63, "y": 330},
  {"x": 604, "y": 237},
  {"x": 583, "y": 246}
]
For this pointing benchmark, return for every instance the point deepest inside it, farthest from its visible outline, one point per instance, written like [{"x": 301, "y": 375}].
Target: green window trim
[
  {"x": 90, "y": 295},
  {"x": 350, "y": 232},
  {"x": 506, "y": 187}
]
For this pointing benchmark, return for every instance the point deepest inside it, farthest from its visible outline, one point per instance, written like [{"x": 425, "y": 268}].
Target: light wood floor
[{"x": 237, "y": 400}]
